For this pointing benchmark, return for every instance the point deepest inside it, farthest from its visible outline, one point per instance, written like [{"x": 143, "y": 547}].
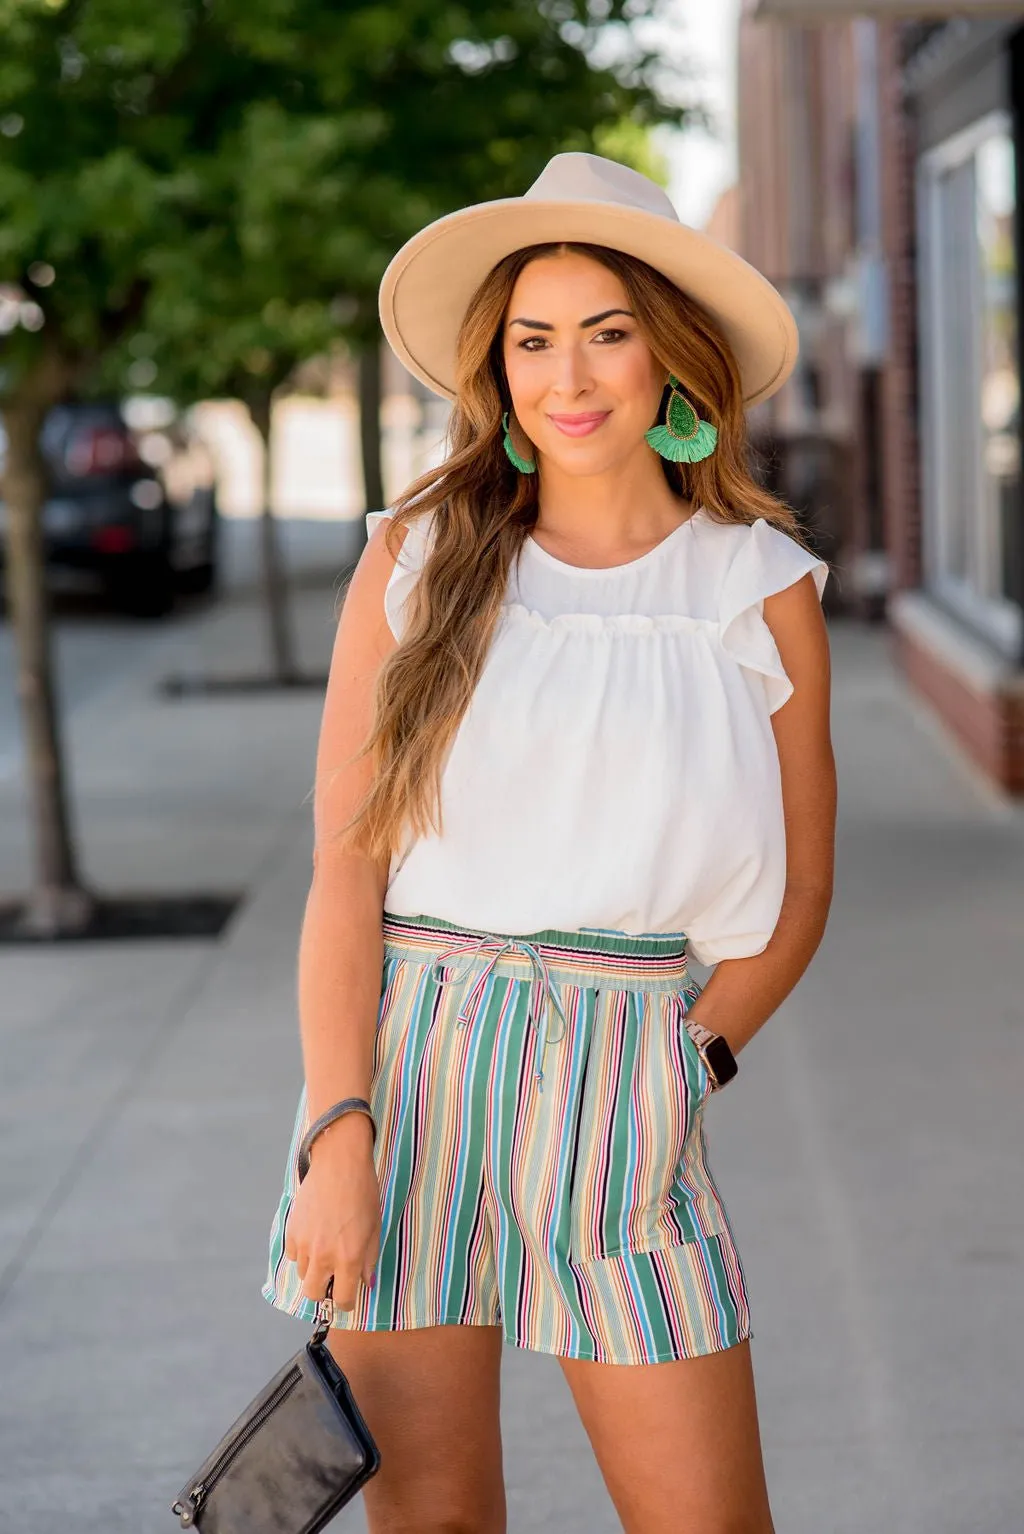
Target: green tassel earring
[
  {"x": 684, "y": 438},
  {"x": 524, "y": 465}
]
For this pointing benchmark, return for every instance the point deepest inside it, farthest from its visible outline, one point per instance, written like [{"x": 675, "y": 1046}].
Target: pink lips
[{"x": 580, "y": 425}]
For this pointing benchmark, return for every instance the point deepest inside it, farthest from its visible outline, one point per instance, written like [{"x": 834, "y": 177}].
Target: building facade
[
  {"x": 958, "y": 618},
  {"x": 881, "y": 189},
  {"x": 803, "y": 193}
]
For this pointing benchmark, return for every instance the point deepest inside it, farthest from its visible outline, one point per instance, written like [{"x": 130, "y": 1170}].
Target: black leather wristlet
[{"x": 347, "y": 1105}]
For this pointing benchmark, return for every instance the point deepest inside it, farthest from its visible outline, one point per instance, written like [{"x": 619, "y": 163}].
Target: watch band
[
  {"x": 702, "y": 1038},
  {"x": 699, "y": 1034}
]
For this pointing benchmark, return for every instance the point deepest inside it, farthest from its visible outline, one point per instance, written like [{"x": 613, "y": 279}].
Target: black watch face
[{"x": 721, "y": 1060}]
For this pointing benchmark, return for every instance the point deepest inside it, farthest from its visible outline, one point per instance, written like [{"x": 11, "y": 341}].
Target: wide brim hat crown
[{"x": 427, "y": 287}]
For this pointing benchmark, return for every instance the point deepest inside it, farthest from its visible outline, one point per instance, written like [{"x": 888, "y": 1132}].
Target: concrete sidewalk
[{"x": 869, "y": 1151}]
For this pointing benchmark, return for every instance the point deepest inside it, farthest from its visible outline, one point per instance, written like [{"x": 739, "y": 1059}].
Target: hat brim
[{"x": 427, "y": 287}]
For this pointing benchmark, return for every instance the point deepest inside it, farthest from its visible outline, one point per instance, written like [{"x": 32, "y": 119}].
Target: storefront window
[
  {"x": 971, "y": 379},
  {"x": 1000, "y": 369}
]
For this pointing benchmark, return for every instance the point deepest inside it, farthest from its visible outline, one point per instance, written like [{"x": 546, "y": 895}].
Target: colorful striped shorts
[{"x": 540, "y": 1149}]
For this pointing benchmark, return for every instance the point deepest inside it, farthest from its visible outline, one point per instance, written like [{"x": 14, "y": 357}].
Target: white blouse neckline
[{"x": 630, "y": 564}]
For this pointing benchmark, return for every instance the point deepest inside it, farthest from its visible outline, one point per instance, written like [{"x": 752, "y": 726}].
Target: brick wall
[
  {"x": 797, "y": 94},
  {"x": 988, "y": 724},
  {"x": 901, "y": 448}
]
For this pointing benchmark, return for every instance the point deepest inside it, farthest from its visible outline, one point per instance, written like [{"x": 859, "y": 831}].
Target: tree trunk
[
  {"x": 369, "y": 425},
  {"x": 275, "y": 588},
  {"x": 58, "y": 902}
]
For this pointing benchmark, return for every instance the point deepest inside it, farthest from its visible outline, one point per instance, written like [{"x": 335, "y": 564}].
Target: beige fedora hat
[{"x": 427, "y": 287}]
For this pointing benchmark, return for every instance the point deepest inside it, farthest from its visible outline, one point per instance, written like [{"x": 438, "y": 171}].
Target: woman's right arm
[{"x": 334, "y": 1223}]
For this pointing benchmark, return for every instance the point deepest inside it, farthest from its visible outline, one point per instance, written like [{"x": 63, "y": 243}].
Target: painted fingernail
[{"x": 373, "y": 1280}]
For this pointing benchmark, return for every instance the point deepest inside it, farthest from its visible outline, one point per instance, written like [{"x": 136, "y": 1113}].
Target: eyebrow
[{"x": 595, "y": 319}]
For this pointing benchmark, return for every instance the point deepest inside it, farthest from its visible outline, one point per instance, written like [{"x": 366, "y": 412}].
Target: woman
[{"x": 576, "y": 731}]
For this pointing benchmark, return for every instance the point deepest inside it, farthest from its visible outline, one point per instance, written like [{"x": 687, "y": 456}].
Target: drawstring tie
[{"x": 498, "y": 949}]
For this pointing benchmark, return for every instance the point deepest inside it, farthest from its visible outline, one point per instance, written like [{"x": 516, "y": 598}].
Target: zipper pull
[{"x": 188, "y": 1509}]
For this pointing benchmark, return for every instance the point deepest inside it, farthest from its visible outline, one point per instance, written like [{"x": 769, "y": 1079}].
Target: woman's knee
[{"x": 430, "y": 1509}]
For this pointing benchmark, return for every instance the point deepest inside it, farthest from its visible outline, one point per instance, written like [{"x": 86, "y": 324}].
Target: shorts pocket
[{"x": 638, "y": 1174}]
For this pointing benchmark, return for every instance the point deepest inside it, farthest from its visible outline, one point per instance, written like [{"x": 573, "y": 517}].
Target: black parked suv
[{"x": 134, "y": 503}]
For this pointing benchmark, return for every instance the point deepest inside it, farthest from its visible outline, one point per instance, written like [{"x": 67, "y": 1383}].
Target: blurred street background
[{"x": 196, "y": 410}]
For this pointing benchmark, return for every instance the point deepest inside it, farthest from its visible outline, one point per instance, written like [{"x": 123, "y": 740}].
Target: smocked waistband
[{"x": 626, "y": 961}]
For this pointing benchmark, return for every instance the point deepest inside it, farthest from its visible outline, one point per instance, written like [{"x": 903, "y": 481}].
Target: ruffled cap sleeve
[
  {"x": 411, "y": 558},
  {"x": 768, "y": 560}
]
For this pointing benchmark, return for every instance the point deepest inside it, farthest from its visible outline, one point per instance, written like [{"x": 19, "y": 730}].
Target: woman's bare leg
[
  {"x": 430, "y": 1396},
  {"x": 677, "y": 1443}
]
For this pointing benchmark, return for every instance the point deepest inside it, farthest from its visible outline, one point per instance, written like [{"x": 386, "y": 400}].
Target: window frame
[{"x": 997, "y": 619}]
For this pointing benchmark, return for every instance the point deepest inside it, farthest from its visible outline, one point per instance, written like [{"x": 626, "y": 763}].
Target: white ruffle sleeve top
[{"x": 617, "y": 767}]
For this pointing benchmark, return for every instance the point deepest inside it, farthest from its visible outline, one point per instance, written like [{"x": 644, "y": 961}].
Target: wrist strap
[
  {"x": 702, "y": 1037},
  {"x": 347, "y": 1105},
  {"x": 698, "y": 1033}
]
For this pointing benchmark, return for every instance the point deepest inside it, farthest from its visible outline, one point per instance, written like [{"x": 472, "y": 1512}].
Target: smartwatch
[{"x": 719, "y": 1060}]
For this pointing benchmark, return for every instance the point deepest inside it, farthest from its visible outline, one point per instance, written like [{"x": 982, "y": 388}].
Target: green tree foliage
[
  {"x": 201, "y": 193},
  {"x": 258, "y": 158}
]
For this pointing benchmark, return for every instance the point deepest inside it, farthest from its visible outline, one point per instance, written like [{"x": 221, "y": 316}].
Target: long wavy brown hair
[{"x": 483, "y": 509}]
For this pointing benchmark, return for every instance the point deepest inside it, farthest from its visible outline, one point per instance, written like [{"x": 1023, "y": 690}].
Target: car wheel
[
  {"x": 199, "y": 580},
  {"x": 143, "y": 587}
]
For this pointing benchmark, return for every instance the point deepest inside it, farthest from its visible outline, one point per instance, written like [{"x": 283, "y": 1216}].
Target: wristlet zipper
[{"x": 190, "y": 1507}]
